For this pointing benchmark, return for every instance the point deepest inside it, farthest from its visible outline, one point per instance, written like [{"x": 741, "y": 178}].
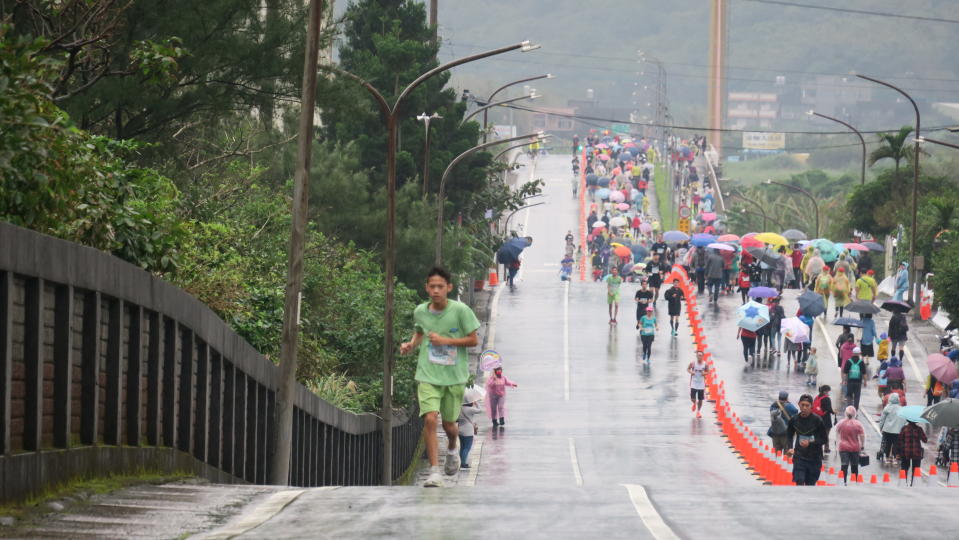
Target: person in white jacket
[
  {"x": 467, "y": 423},
  {"x": 890, "y": 423}
]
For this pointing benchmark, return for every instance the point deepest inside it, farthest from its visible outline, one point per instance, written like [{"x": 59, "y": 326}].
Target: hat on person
[
  {"x": 883, "y": 335},
  {"x": 783, "y": 395},
  {"x": 870, "y": 271},
  {"x": 649, "y": 308},
  {"x": 856, "y": 350}
]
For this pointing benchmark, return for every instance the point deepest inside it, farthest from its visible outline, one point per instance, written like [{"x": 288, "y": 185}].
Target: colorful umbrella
[
  {"x": 702, "y": 239},
  {"x": 645, "y": 228},
  {"x": 763, "y": 292},
  {"x": 811, "y": 304},
  {"x": 675, "y": 237},
  {"x": 942, "y": 368},
  {"x": 753, "y": 316},
  {"x": 622, "y": 206},
  {"x": 708, "y": 216},
  {"x": 874, "y": 246},
  {"x": 618, "y": 221},
  {"x": 617, "y": 196},
  {"x": 602, "y": 193},
  {"x": 623, "y": 251},
  {"x": 490, "y": 359},
  {"x": 853, "y": 246},
  {"x": 604, "y": 157},
  {"x": 771, "y": 238},
  {"x": 913, "y": 413},
  {"x": 795, "y": 330},
  {"x": 721, "y": 247},
  {"x": 728, "y": 238},
  {"x": 750, "y": 242},
  {"x": 794, "y": 235},
  {"x": 599, "y": 224},
  {"x": 827, "y": 249}
]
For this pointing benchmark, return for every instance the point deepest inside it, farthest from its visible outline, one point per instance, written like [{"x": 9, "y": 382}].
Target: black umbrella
[
  {"x": 811, "y": 304},
  {"x": 874, "y": 246},
  {"x": 862, "y": 306},
  {"x": 591, "y": 179},
  {"x": 847, "y": 321},
  {"x": 764, "y": 255},
  {"x": 897, "y": 306},
  {"x": 603, "y": 181},
  {"x": 510, "y": 251}
]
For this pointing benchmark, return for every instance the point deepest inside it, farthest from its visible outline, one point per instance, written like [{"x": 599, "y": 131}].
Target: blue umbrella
[
  {"x": 634, "y": 150},
  {"x": 763, "y": 292},
  {"x": 591, "y": 179},
  {"x": 603, "y": 181},
  {"x": 847, "y": 321},
  {"x": 639, "y": 252},
  {"x": 827, "y": 249},
  {"x": 702, "y": 239},
  {"x": 753, "y": 316},
  {"x": 913, "y": 413},
  {"x": 811, "y": 304},
  {"x": 510, "y": 251},
  {"x": 675, "y": 237},
  {"x": 602, "y": 193}
]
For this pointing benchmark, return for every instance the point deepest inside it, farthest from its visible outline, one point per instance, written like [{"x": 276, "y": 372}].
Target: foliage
[
  {"x": 62, "y": 181},
  {"x": 946, "y": 279},
  {"x": 894, "y": 146}
]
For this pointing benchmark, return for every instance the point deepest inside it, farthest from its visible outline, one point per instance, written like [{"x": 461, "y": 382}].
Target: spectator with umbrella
[{"x": 508, "y": 255}]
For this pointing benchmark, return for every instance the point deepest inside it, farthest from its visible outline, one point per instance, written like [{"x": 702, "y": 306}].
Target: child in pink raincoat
[{"x": 496, "y": 395}]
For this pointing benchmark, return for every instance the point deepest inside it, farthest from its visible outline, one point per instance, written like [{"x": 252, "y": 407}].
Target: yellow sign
[
  {"x": 756, "y": 140},
  {"x": 684, "y": 225}
]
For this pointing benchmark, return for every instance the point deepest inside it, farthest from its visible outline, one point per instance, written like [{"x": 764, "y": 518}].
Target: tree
[
  {"x": 946, "y": 279},
  {"x": 894, "y": 146}
]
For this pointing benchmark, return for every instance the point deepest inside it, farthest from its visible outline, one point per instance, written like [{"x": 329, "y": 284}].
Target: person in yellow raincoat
[
  {"x": 823, "y": 286},
  {"x": 841, "y": 291},
  {"x": 802, "y": 266}
]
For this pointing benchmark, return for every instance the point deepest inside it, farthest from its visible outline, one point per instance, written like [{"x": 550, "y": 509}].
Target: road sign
[
  {"x": 621, "y": 128},
  {"x": 685, "y": 212},
  {"x": 684, "y": 225}
]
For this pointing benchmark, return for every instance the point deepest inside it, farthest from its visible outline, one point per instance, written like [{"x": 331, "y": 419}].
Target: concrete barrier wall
[{"x": 95, "y": 352}]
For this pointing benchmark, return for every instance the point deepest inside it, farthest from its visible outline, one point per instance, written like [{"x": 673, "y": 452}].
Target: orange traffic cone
[
  {"x": 952, "y": 479},
  {"x": 885, "y": 479},
  {"x": 493, "y": 277},
  {"x": 916, "y": 473},
  {"x": 873, "y": 479},
  {"x": 902, "y": 478}
]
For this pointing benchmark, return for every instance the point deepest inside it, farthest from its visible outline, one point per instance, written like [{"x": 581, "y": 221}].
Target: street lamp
[
  {"x": 391, "y": 115},
  {"x": 815, "y": 205},
  {"x": 505, "y": 86},
  {"x": 661, "y": 94},
  {"x": 506, "y": 225},
  {"x": 438, "y": 259},
  {"x": 936, "y": 141},
  {"x": 913, "y": 235},
  {"x": 862, "y": 173},
  {"x": 426, "y": 149},
  {"x": 762, "y": 211},
  {"x": 532, "y": 95}
]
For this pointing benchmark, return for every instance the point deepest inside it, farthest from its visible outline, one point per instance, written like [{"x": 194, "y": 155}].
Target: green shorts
[
  {"x": 612, "y": 298},
  {"x": 447, "y": 400}
]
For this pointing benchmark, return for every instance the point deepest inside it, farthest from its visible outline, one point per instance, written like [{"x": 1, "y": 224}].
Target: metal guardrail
[
  {"x": 95, "y": 352},
  {"x": 714, "y": 180}
]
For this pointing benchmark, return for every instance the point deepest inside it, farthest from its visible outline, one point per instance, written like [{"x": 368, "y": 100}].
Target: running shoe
[
  {"x": 452, "y": 463},
  {"x": 435, "y": 479},
  {"x": 694, "y": 408},
  {"x": 699, "y": 415}
]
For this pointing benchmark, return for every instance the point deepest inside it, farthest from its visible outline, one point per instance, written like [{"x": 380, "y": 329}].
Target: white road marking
[
  {"x": 566, "y": 340},
  {"x": 575, "y": 461},
  {"x": 493, "y": 312},
  {"x": 647, "y": 512},
  {"x": 475, "y": 455},
  {"x": 912, "y": 363},
  {"x": 250, "y": 520}
]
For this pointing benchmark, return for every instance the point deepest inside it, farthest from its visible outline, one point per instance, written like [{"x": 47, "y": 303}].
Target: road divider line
[
  {"x": 648, "y": 514},
  {"x": 575, "y": 461},
  {"x": 263, "y": 512},
  {"x": 566, "y": 340}
]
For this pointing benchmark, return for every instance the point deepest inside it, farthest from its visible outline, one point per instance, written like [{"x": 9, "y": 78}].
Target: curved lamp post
[
  {"x": 913, "y": 234},
  {"x": 426, "y": 119},
  {"x": 504, "y": 87},
  {"x": 488, "y": 106},
  {"x": 391, "y": 115},
  {"x": 862, "y": 173},
  {"x": 762, "y": 211},
  {"x": 441, "y": 194},
  {"x": 815, "y": 205}
]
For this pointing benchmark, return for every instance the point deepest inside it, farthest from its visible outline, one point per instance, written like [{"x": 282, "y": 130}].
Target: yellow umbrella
[
  {"x": 616, "y": 244},
  {"x": 772, "y": 238}
]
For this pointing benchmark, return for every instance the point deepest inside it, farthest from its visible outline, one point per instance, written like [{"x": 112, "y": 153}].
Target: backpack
[
  {"x": 937, "y": 389},
  {"x": 817, "y": 406},
  {"x": 855, "y": 370}
]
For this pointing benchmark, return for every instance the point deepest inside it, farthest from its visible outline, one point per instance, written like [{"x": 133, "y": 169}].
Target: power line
[
  {"x": 696, "y": 128},
  {"x": 688, "y": 64},
  {"x": 858, "y": 11}
]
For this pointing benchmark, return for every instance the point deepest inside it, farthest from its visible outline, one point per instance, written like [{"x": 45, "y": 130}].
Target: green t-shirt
[
  {"x": 865, "y": 287},
  {"x": 612, "y": 285},
  {"x": 647, "y": 325},
  {"x": 443, "y": 365}
]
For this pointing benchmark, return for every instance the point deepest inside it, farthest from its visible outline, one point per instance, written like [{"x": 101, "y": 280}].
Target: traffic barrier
[
  {"x": 952, "y": 479},
  {"x": 885, "y": 479},
  {"x": 493, "y": 277},
  {"x": 902, "y": 478}
]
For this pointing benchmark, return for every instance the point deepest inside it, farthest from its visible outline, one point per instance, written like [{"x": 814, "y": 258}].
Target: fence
[{"x": 107, "y": 368}]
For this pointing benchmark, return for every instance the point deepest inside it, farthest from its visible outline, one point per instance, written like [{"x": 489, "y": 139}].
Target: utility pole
[
  {"x": 283, "y": 433},
  {"x": 434, "y": 16},
  {"x": 717, "y": 73}
]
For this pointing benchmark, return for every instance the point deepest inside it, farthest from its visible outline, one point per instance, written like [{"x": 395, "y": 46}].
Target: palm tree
[{"x": 893, "y": 146}]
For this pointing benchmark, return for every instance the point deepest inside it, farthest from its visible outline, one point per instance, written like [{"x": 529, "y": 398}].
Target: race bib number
[{"x": 444, "y": 355}]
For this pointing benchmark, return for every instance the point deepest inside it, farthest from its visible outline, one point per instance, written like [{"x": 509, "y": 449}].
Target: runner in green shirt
[
  {"x": 613, "y": 282},
  {"x": 442, "y": 366}
]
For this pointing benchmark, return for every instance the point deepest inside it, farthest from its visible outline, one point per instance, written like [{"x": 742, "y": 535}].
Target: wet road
[{"x": 595, "y": 444}]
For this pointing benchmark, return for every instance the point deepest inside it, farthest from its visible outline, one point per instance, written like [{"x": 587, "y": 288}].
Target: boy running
[
  {"x": 644, "y": 299},
  {"x": 674, "y": 302},
  {"x": 697, "y": 383},
  {"x": 442, "y": 366}
]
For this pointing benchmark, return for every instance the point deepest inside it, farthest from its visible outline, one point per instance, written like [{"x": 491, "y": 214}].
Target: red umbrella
[
  {"x": 942, "y": 368},
  {"x": 728, "y": 238},
  {"x": 748, "y": 242},
  {"x": 852, "y": 246}
]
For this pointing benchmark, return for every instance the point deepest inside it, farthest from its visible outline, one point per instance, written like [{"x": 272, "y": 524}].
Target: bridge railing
[{"x": 105, "y": 368}]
